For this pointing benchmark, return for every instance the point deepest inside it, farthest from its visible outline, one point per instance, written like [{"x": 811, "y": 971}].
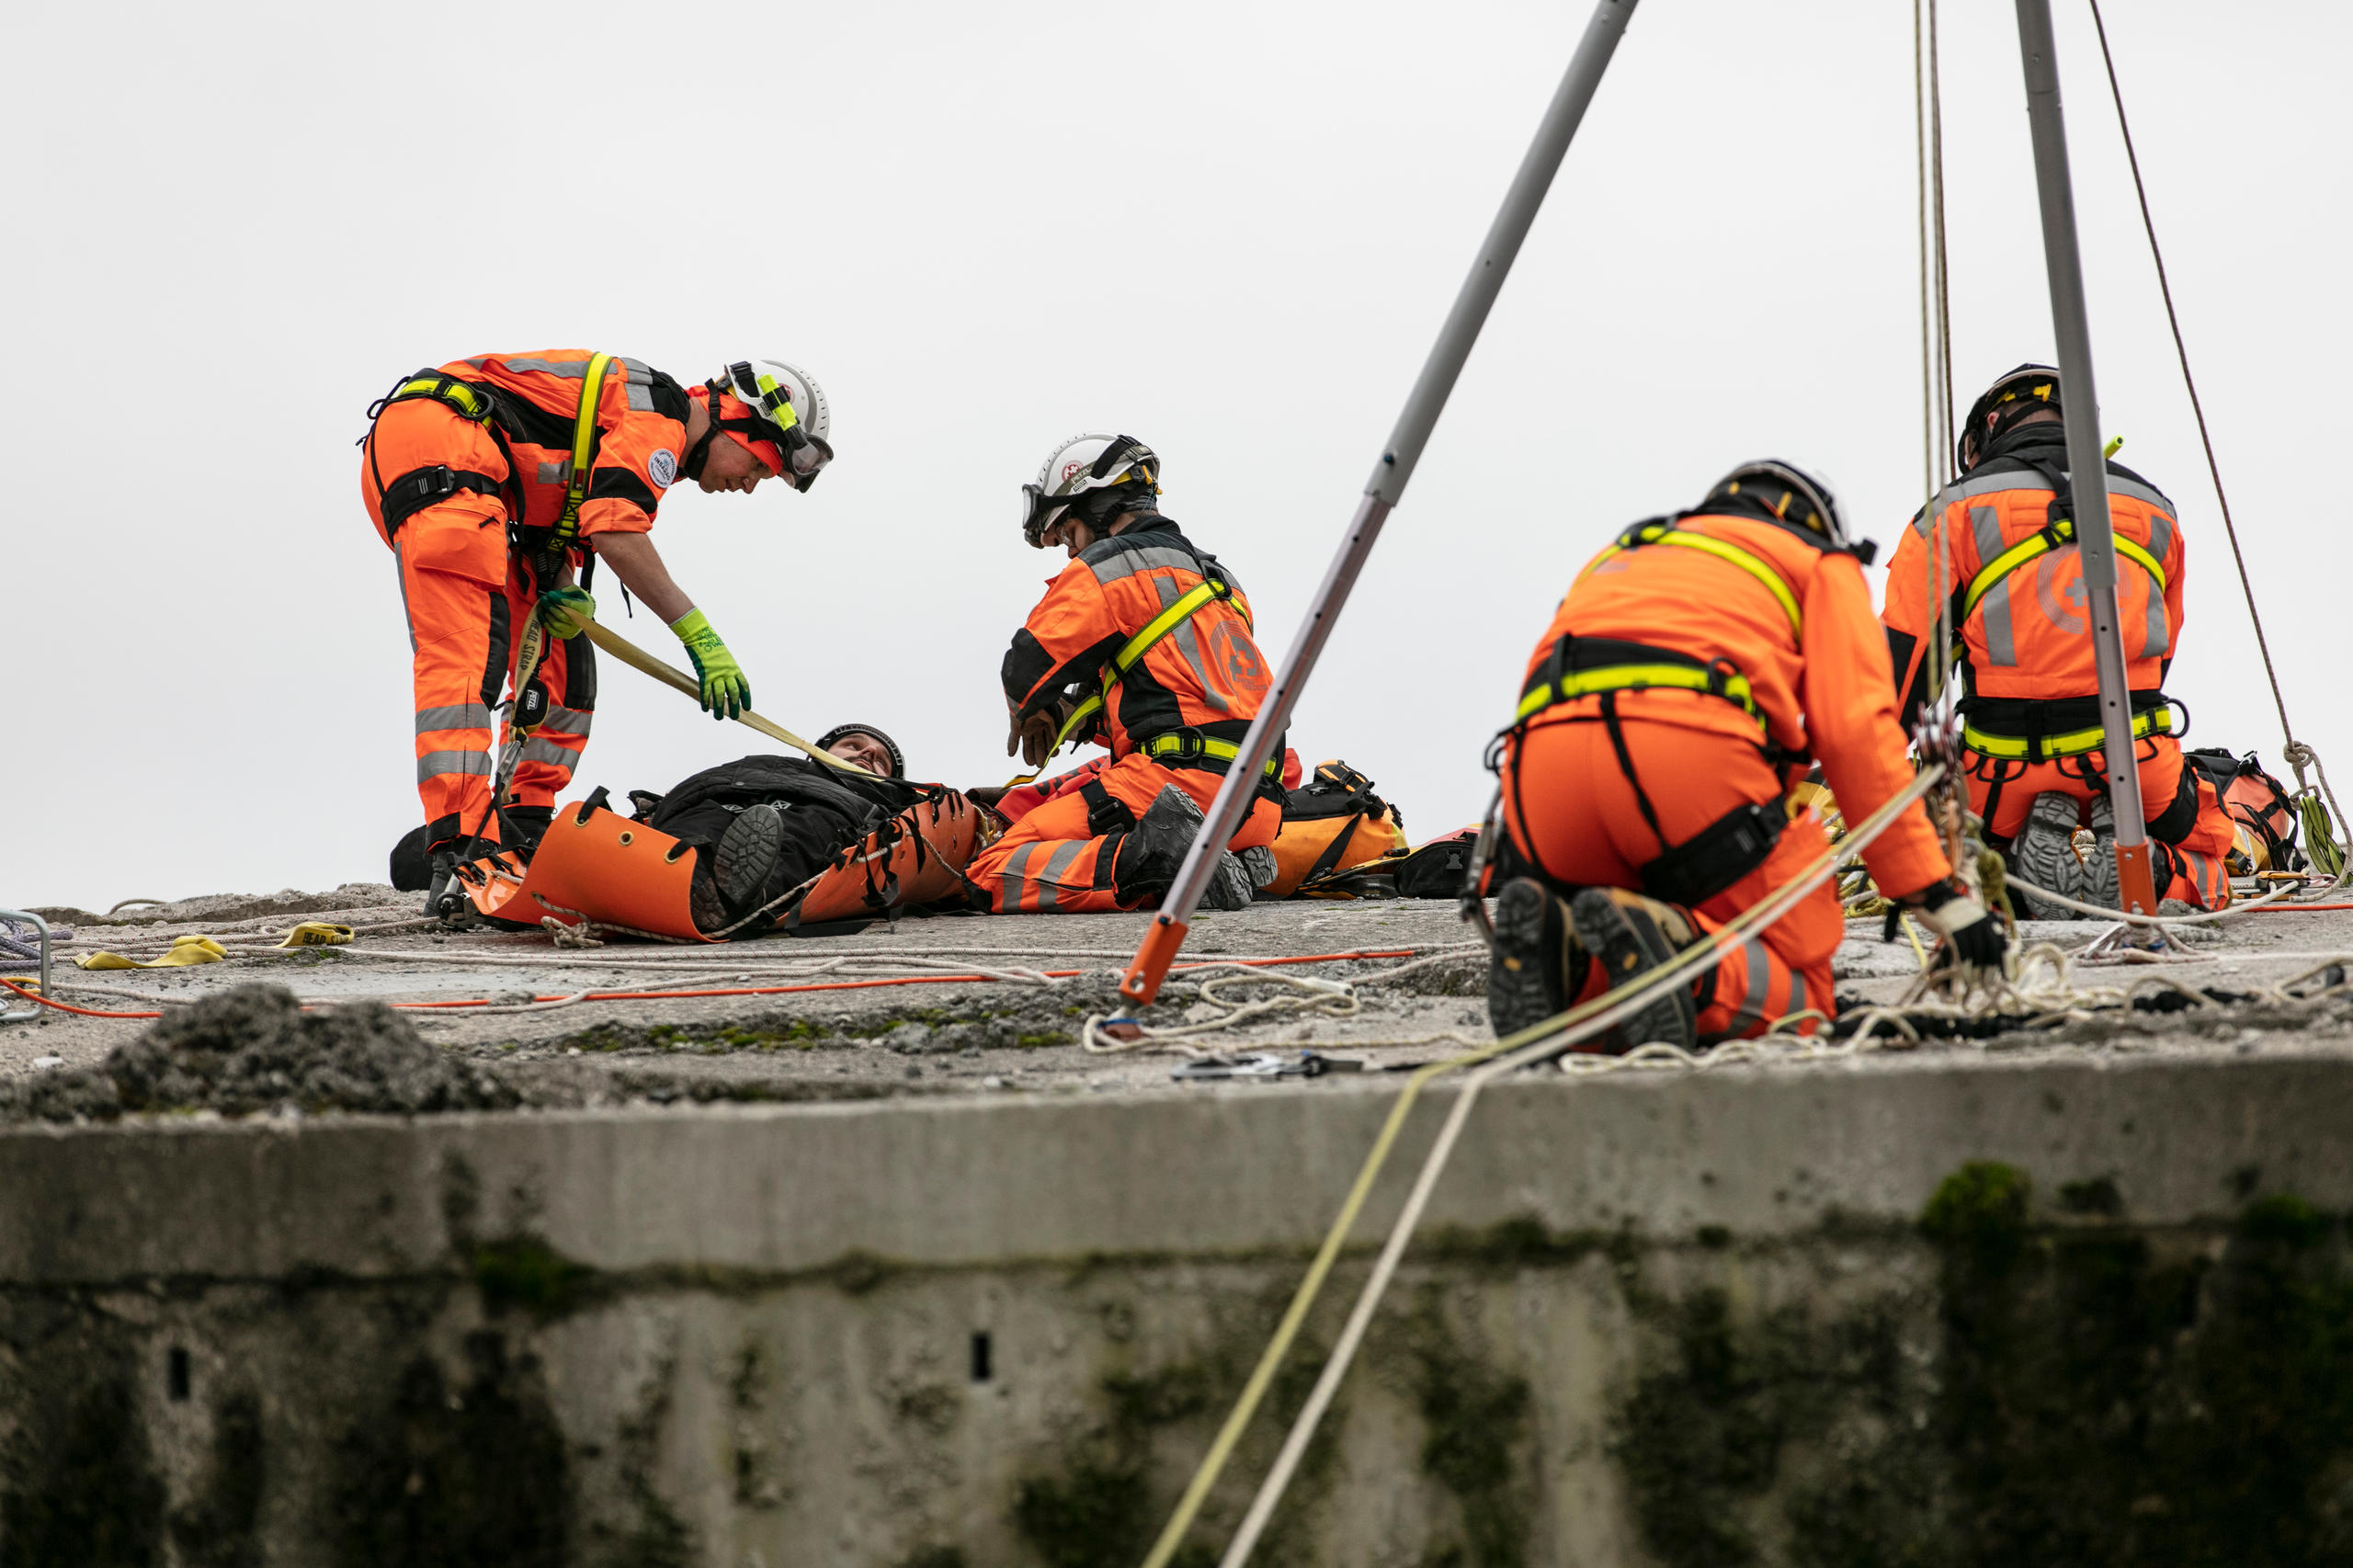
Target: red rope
[{"x": 64, "y": 1008}]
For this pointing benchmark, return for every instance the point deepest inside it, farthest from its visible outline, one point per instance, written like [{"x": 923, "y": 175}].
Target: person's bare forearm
[{"x": 639, "y": 566}]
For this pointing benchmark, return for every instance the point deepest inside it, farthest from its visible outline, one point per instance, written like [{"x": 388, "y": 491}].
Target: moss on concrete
[
  {"x": 523, "y": 1273},
  {"x": 475, "y": 1473},
  {"x": 1476, "y": 1432},
  {"x": 77, "y": 1480},
  {"x": 221, "y": 1525}
]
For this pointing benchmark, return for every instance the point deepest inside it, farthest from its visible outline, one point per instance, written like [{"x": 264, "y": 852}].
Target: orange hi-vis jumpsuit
[
  {"x": 1703, "y": 657},
  {"x": 455, "y": 485},
  {"x": 2030, "y": 702},
  {"x": 1176, "y": 715}
]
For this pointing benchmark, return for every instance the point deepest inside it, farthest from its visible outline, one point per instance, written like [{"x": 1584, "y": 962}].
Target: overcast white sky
[{"x": 1229, "y": 229}]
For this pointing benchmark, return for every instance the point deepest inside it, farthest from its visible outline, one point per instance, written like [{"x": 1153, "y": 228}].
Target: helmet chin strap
[{"x": 700, "y": 453}]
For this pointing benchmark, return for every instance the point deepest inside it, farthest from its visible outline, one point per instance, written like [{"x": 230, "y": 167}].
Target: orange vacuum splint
[{"x": 593, "y": 866}]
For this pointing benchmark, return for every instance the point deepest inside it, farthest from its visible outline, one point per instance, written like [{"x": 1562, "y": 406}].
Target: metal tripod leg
[
  {"x": 2087, "y": 464},
  {"x": 1385, "y": 488}
]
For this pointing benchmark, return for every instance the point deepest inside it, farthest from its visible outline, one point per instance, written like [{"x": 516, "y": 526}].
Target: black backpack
[{"x": 825, "y": 811}]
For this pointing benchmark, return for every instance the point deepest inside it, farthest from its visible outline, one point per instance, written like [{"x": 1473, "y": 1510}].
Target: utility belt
[
  {"x": 1191, "y": 748},
  {"x": 1725, "y": 850},
  {"x": 406, "y": 495},
  {"x": 1588, "y": 667},
  {"x": 2023, "y": 730}
]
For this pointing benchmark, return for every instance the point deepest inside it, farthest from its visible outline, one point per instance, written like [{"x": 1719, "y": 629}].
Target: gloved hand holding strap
[{"x": 726, "y": 692}]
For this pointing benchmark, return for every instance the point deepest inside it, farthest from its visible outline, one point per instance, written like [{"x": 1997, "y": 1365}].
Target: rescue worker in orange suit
[
  {"x": 1691, "y": 672},
  {"x": 1144, "y": 643},
  {"x": 468, "y": 474},
  {"x": 2032, "y": 746}
]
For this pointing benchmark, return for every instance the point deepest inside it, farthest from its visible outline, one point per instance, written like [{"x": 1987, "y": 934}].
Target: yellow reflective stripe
[
  {"x": 1158, "y": 626},
  {"x": 2030, "y": 550},
  {"x": 2073, "y": 743},
  {"x": 584, "y": 441},
  {"x": 1634, "y": 677},
  {"x": 1134, "y": 649},
  {"x": 1207, "y": 745},
  {"x": 1754, "y": 565},
  {"x": 465, "y": 399}
]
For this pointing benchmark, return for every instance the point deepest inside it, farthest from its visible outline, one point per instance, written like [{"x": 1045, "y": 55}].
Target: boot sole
[
  {"x": 1605, "y": 931},
  {"x": 1518, "y": 996},
  {"x": 748, "y": 852},
  {"x": 2044, "y": 853}
]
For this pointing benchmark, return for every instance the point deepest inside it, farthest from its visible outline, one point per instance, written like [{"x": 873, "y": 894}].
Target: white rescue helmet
[
  {"x": 1794, "y": 495},
  {"x": 788, "y": 409},
  {"x": 1078, "y": 465}
]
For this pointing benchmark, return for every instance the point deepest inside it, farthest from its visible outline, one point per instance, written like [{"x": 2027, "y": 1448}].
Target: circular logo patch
[
  {"x": 1237, "y": 659},
  {"x": 662, "y": 468}
]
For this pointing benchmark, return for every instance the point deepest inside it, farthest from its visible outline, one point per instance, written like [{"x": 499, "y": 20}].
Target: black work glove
[{"x": 1978, "y": 939}]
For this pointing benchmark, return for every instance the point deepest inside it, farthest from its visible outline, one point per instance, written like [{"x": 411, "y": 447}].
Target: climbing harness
[
  {"x": 2157, "y": 721},
  {"x": 1669, "y": 531}
]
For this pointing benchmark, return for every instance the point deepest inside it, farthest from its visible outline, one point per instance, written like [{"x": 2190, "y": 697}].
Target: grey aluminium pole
[
  {"x": 1385, "y": 488},
  {"x": 2087, "y": 464}
]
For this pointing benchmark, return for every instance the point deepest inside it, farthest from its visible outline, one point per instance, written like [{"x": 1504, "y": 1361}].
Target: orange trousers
[
  {"x": 2188, "y": 829},
  {"x": 1052, "y": 862},
  {"x": 462, "y": 629},
  {"x": 1571, "y": 813},
  {"x": 465, "y": 598}
]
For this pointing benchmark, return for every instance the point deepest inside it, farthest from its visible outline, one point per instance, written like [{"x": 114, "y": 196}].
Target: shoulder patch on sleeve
[{"x": 662, "y": 468}]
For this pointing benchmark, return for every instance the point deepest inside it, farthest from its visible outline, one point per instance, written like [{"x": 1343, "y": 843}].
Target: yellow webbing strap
[
  {"x": 583, "y": 442},
  {"x": 1754, "y": 565},
  {"x": 1734, "y": 688},
  {"x": 637, "y": 658},
  {"x": 1132, "y": 652},
  {"x": 466, "y": 400},
  {"x": 2042, "y": 543},
  {"x": 1206, "y": 745},
  {"x": 2073, "y": 743}
]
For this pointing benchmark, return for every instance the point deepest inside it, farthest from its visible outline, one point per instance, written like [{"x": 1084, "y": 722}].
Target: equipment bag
[
  {"x": 1436, "y": 869},
  {"x": 1332, "y": 823},
  {"x": 2257, "y": 802}
]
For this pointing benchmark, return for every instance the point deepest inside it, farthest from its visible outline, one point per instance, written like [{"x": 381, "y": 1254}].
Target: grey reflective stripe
[
  {"x": 1190, "y": 646},
  {"x": 1920, "y": 520},
  {"x": 399, "y": 571},
  {"x": 565, "y": 721},
  {"x": 1797, "y": 994},
  {"x": 2160, "y": 535},
  {"x": 1014, "y": 868},
  {"x": 461, "y": 716},
  {"x": 570, "y": 369},
  {"x": 1760, "y": 977},
  {"x": 436, "y": 764},
  {"x": 640, "y": 372},
  {"x": 1993, "y": 609},
  {"x": 538, "y": 750},
  {"x": 554, "y": 472},
  {"x": 2139, "y": 493},
  {"x": 1126, "y": 561},
  {"x": 1049, "y": 880}
]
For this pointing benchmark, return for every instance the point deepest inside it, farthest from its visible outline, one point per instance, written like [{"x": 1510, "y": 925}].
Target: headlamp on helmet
[
  {"x": 2024, "y": 391},
  {"x": 1082, "y": 464},
  {"x": 783, "y": 407}
]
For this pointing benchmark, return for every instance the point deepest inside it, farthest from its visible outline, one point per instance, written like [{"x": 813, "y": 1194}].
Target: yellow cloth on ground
[
  {"x": 317, "y": 934},
  {"x": 186, "y": 950}
]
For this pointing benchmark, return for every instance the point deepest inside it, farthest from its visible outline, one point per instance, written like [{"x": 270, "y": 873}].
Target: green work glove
[
  {"x": 725, "y": 693},
  {"x": 566, "y": 611}
]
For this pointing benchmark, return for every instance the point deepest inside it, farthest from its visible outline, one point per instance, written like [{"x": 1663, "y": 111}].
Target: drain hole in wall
[
  {"x": 980, "y": 1353},
  {"x": 176, "y": 1374}
]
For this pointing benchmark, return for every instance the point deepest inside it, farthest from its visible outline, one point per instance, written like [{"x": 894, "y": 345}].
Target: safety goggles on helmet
[
  {"x": 2016, "y": 395},
  {"x": 1789, "y": 492},
  {"x": 1081, "y": 464}
]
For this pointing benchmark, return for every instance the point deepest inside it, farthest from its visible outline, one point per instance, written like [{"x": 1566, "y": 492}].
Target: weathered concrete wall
[{"x": 1681, "y": 1319}]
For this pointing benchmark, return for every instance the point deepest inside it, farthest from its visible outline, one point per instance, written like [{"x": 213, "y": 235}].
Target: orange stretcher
[{"x": 593, "y": 866}]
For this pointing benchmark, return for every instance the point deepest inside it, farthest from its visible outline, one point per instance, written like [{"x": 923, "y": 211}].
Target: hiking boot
[
  {"x": 2044, "y": 854},
  {"x": 1229, "y": 885},
  {"x": 1260, "y": 862},
  {"x": 524, "y": 826},
  {"x": 441, "y": 878},
  {"x": 1534, "y": 965},
  {"x": 1153, "y": 852},
  {"x": 1622, "y": 932},
  {"x": 2100, "y": 871},
  {"x": 748, "y": 852}
]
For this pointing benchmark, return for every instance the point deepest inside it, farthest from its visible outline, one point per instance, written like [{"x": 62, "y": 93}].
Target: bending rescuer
[
  {"x": 491, "y": 478},
  {"x": 1144, "y": 643},
  {"x": 2031, "y": 740},
  {"x": 1695, "y": 670}
]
